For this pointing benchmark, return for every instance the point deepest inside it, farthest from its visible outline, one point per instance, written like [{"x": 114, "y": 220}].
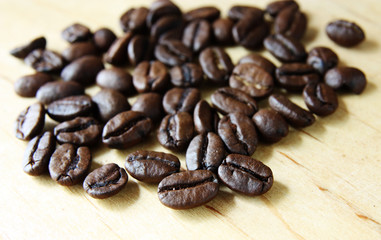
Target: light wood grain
[{"x": 327, "y": 176}]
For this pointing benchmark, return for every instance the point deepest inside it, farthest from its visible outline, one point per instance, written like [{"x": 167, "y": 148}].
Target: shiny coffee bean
[
  {"x": 173, "y": 34},
  {"x": 84, "y": 70},
  {"x": 285, "y": 49},
  {"x": 197, "y": 35},
  {"x": 139, "y": 49},
  {"x": 260, "y": 61},
  {"x": 205, "y": 118},
  {"x": 208, "y": 13},
  {"x": 250, "y": 32},
  {"x": 117, "y": 79},
  {"x": 346, "y": 78},
  {"x": 150, "y": 104},
  {"x": 173, "y": 53},
  {"x": 222, "y": 31},
  {"x": 275, "y": 7},
  {"x": 52, "y": 91},
  {"x": 294, "y": 76},
  {"x": 78, "y": 50},
  {"x": 70, "y": 107},
  {"x": 216, "y": 64},
  {"x": 238, "y": 12},
  {"x": 186, "y": 75},
  {"x": 345, "y": 33},
  {"x": 322, "y": 59},
  {"x": 291, "y": 22},
  {"x": 181, "y": 100},
  {"x": 109, "y": 103},
  {"x": 23, "y": 51},
  {"x": 167, "y": 25},
  {"x": 76, "y": 33},
  {"x": 117, "y": 52},
  {"x": 45, "y": 61},
  {"x": 134, "y": 20},
  {"x": 30, "y": 122},
  {"x": 159, "y": 9},
  {"x": 320, "y": 99},
  {"x": 150, "y": 76},
  {"x": 27, "y": 86},
  {"x": 271, "y": 125},
  {"x": 103, "y": 38}
]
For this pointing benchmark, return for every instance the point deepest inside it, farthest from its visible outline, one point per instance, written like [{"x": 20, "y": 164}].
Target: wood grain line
[
  {"x": 293, "y": 160},
  {"x": 310, "y": 135},
  {"x": 360, "y": 120}
]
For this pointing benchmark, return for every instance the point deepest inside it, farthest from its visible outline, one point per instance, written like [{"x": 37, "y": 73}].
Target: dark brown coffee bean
[
  {"x": 37, "y": 154},
  {"x": 23, "y": 51},
  {"x": 285, "y": 49},
  {"x": 172, "y": 34},
  {"x": 81, "y": 131},
  {"x": 134, "y": 19},
  {"x": 30, "y": 122},
  {"x": 320, "y": 99},
  {"x": 70, "y": 107},
  {"x": 322, "y": 59},
  {"x": 151, "y": 166},
  {"x": 245, "y": 175},
  {"x": 52, "y": 91},
  {"x": 76, "y": 33},
  {"x": 103, "y": 38},
  {"x": 216, "y": 64},
  {"x": 188, "y": 189},
  {"x": 105, "y": 181},
  {"x": 238, "y": 12},
  {"x": 79, "y": 49},
  {"x": 346, "y": 78},
  {"x": 126, "y": 129},
  {"x": 27, "y": 86},
  {"x": 84, "y": 70},
  {"x": 159, "y": 9},
  {"x": 139, "y": 49},
  {"x": 197, "y": 35},
  {"x": 222, "y": 31},
  {"x": 166, "y": 25},
  {"x": 205, "y": 118},
  {"x": 69, "y": 165},
  {"x": 150, "y": 76},
  {"x": 344, "y": 33},
  {"x": 250, "y": 32},
  {"x": 176, "y": 131},
  {"x": 150, "y": 104},
  {"x": 45, "y": 61},
  {"x": 271, "y": 125},
  {"x": 117, "y": 53},
  {"x": 260, "y": 61},
  {"x": 251, "y": 79},
  {"x": 294, "y": 76},
  {"x": 173, "y": 53},
  {"x": 186, "y": 75},
  {"x": 109, "y": 103},
  {"x": 181, "y": 100},
  {"x": 117, "y": 79},
  {"x": 203, "y": 13},
  {"x": 291, "y": 22},
  {"x": 294, "y": 115},
  {"x": 274, "y": 8}
]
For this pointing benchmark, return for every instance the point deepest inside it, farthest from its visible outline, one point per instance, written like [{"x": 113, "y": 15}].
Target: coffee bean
[
  {"x": 245, "y": 175},
  {"x": 69, "y": 165},
  {"x": 186, "y": 75},
  {"x": 52, "y": 91},
  {"x": 173, "y": 34},
  {"x": 70, "y": 107},
  {"x": 205, "y": 118},
  {"x": 203, "y": 13},
  {"x": 166, "y": 25},
  {"x": 320, "y": 99},
  {"x": 105, "y": 181},
  {"x": 271, "y": 125},
  {"x": 274, "y": 8},
  {"x": 30, "y": 122},
  {"x": 103, "y": 38},
  {"x": 250, "y": 32},
  {"x": 251, "y": 79},
  {"x": 117, "y": 79},
  {"x": 260, "y": 61},
  {"x": 216, "y": 64},
  {"x": 159, "y": 9},
  {"x": 150, "y": 104},
  {"x": 176, "y": 131},
  {"x": 45, "y": 61},
  {"x": 126, "y": 129},
  {"x": 188, "y": 189},
  {"x": 294, "y": 76},
  {"x": 78, "y": 50},
  {"x": 222, "y": 31},
  {"x": 27, "y": 86},
  {"x": 109, "y": 103},
  {"x": 197, "y": 35},
  {"x": 84, "y": 70},
  {"x": 291, "y": 22},
  {"x": 173, "y": 53},
  {"x": 181, "y": 100},
  {"x": 151, "y": 166},
  {"x": 150, "y": 76},
  {"x": 238, "y": 12},
  {"x": 117, "y": 53},
  {"x": 285, "y": 49},
  {"x": 37, "y": 154},
  {"x": 322, "y": 59},
  {"x": 134, "y": 20},
  {"x": 346, "y": 78},
  {"x": 294, "y": 115},
  {"x": 345, "y": 33},
  {"x": 139, "y": 49},
  {"x": 76, "y": 32},
  {"x": 23, "y": 51},
  {"x": 228, "y": 100},
  {"x": 238, "y": 133}
]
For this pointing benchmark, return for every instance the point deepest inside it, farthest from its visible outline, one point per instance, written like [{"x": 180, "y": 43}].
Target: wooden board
[{"x": 327, "y": 176}]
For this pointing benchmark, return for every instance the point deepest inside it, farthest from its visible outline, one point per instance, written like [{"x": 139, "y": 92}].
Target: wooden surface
[{"x": 327, "y": 176}]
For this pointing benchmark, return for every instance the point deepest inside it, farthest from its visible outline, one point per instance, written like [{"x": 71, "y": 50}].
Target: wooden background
[{"x": 327, "y": 176}]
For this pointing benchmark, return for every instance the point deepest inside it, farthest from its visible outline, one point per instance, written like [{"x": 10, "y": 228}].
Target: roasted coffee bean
[
  {"x": 151, "y": 166},
  {"x": 37, "y": 154},
  {"x": 250, "y": 32},
  {"x": 216, "y": 64},
  {"x": 150, "y": 76},
  {"x": 23, "y": 51},
  {"x": 69, "y": 165},
  {"x": 344, "y": 33},
  {"x": 197, "y": 35},
  {"x": 30, "y": 122},
  {"x": 81, "y": 131},
  {"x": 150, "y": 104},
  {"x": 203, "y": 13},
  {"x": 159, "y": 9},
  {"x": 45, "y": 61},
  {"x": 271, "y": 125},
  {"x": 222, "y": 31},
  {"x": 134, "y": 20},
  {"x": 76, "y": 33},
  {"x": 139, "y": 49},
  {"x": 320, "y": 99},
  {"x": 346, "y": 78},
  {"x": 176, "y": 131},
  {"x": 291, "y": 22},
  {"x": 294, "y": 115},
  {"x": 274, "y": 8},
  {"x": 322, "y": 59},
  {"x": 117, "y": 79},
  {"x": 52, "y": 91},
  {"x": 188, "y": 189},
  {"x": 205, "y": 151},
  {"x": 70, "y": 107},
  {"x": 173, "y": 53},
  {"x": 84, "y": 70},
  {"x": 117, "y": 52},
  {"x": 79, "y": 49},
  {"x": 103, "y": 38},
  {"x": 109, "y": 103},
  {"x": 205, "y": 118},
  {"x": 238, "y": 12},
  {"x": 186, "y": 75},
  {"x": 181, "y": 100},
  {"x": 165, "y": 25},
  {"x": 245, "y": 175},
  {"x": 27, "y": 86},
  {"x": 105, "y": 181},
  {"x": 172, "y": 34},
  {"x": 251, "y": 79},
  {"x": 238, "y": 133},
  {"x": 285, "y": 49},
  {"x": 260, "y": 62},
  {"x": 126, "y": 129},
  {"x": 294, "y": 76}
]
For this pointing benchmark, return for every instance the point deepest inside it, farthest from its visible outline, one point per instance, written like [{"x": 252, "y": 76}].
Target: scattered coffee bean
[
  {"x": 186, "y": 75},
  {"x": 159, "y": 9},
  {"x": 197, "y": 35},
  {"x": 109, "y": 103},
  {"x": 76, "y": 33},
  {"x": 27, "y": 86},
  {"x": 23, "y": 51},
  {"x": 150, "y": 104},
  {"x": 103, "y": 38},
  {"x": 30, "y": 122},
  {"x": 260, "y": 61},
  {"x": 181, "y": 100},
  {"x": 346, "y": 78},
  {"x": 274, "y": 8},
  {"x": 84, "y": 70},
  {"x": 173, "y": 53},
  {"x": 250, "y": 32},
  {"x": 117, "y": 79},
  {"x": 222, "y": 31},
  {"x": 205, "y": 118},
  {"x": 45, "y": 61},
  {"x": 150, "y": 76},
  {"x": 285, "y": 49},
  {"x": 291, "y": 22},
  {"x": 322, "y": 59},
  {"x": 238, "y": 12},
  {"x": 134, "y": 20},
  {"x": 71, "y": 107},
  {"x": 203, "y": 13},
  {"x": 78, "y": 50},
  {"x": 344, "y": 33},
  {"x": 117, "y": 53},
  {"x": 52, "y": 91},
  {"x": 294, "y": 76},
  {"x": 139, "y": 49},
  {"x": 166, "y": 25},
  {"x": 216, "y": 64},
  {"x": 320, "y": 99},
  {"x": 271, "y": 125}
]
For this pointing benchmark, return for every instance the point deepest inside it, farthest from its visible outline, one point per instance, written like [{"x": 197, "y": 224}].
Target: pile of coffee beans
[{"x": 174, "y": 54}]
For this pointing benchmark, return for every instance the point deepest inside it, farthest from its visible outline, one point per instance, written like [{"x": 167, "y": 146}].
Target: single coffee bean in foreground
[
  {"x": 346, "y": 78},
  {"x": 52, "y": 91},
  {"x": 139, "y": 49},
  {"x": 117, "y": 79},
  {"x": 322, "y": 59},
  {"x": 150, "y": 104},
  {"x": 134, "y": 20},
  {"x": 205, "y": 118},
  {"x": 70, "y": 107},
  {"x": 84, "y": 70},
  {"x": 103, "y": 38},
  {"x": 150, "y": 76},
  {"x": 181, "y": 100},
  {"x": 27, "y": 86},
  {"x": 285, "y": 49},
  {"x": 173, "y": 53},
  {"x": 45, "y": 61},
  {"x": 275, "y": 7},
  {"x": 320, "y": 99},
  {"x": 30, "y": 122},
  {"x": 109, "y": 103},
  {"x": 271, "y": 125},
  {"x": 78, "y": 50},
  {"x": 23, "y": 51},
  {"x": 291, "y": 22},
  {"x": 76, "y": 32},
  {"x": 117, "y": 52},
  {"x": 294, "y": 76},
  {"x": 208, "y": 13},
  {"x": 260, "y": 61},
  {"x": 216, "y": 64},
  {"x": 249, "y": 32},
  {"x": 187, "y": 75},
  {"x": 222, "y": 31},
  {"x": 197, "y": 35},
  {"x": 345, "y": 33}
]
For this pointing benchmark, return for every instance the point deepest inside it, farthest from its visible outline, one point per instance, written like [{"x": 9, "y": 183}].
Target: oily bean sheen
[
  {"x": 139, "y": 49},
  {"x": 197, "y": 35},
  {"x": 27, "y": 86},
  {"x": 320, "y": 99},
  {"x": 23, "y": 51},
  {"x": 117, "y": 79},
  {"x": 105, "y": 181},
  {"x": 126, "y": 129},
  {"x": 238, "y": 133},
  {"x": 70, "y": 107},
  {"x": 285, "y": 49},
  {"x": 103, "y": 38},
  {"x": 117, "y": 52},
  {"x": 30, "y": 122},
  {"x": 203, "y": 13},
  {"x": 173, "y": 53},
  {"x": 294, "y": 76},
  {"x": 251, "y": 79},
  {"x": 228, "y": 100},
  {"x": 181, "y": 100},
  {"x": 291, "y": 22},
  {"x": 45, "y": 61},
  {"x": 188, "y": 189},
  {"x": 347, "y": 78},
  {"x": 222, "y": 31},
  {"x": 250, "y": 32},
  {"x": 274, "y": 8},
  {"x": 216, "y": 64},
  {"x": 176, "y": 131},
  {"x": 134, "y": 19},
  {"x": 52, "y": 91},
  {"x": 344, "y": 33},
  {"x": 77, "y": 50},
  {"x": 83, "y": 70},
  {"x": 81, "y": 131},
  {"x": 166, "y": 25},
  {"x": 245, "y": 175},
  {"x": 109, "y": 103},
  {"x": 294, "y": 115},
  {"x": 69, "y": 165},
  {"x": 205, "y": 151},
  {"x": 150, "y": 104},
  {"x": 150, "y": 166},
  {"x": 76, "y": 33},
  {"x": 259, "y": 61},
  {"x": 159, "y": 9},
  {"x": 271, "y": 125},
  {"x": 186, "y": 75},
  {"x": 322, "y": 59},
  {"x": 205, "y": 118},
  {"x": 37, "y": 154},
  {"x": 150, "y": 76},
  {"x": 238, "y": 12}
]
